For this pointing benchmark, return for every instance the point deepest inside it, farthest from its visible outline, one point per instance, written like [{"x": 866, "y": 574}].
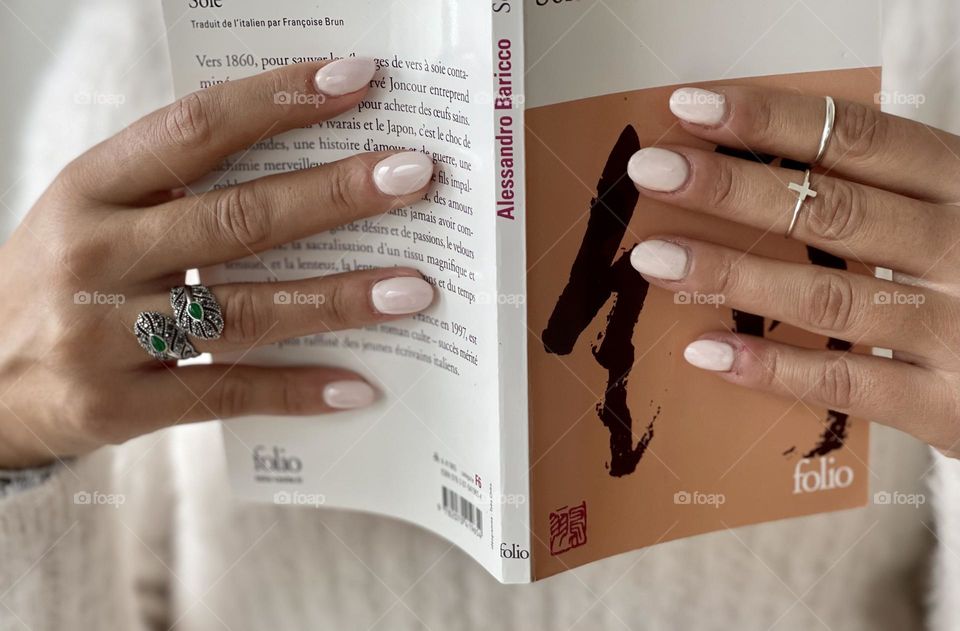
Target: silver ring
[
  {"x": 196, "y": 311},
  {"x": 803, "y": 192},
  {"x": 160, "y": 336},
  {"x": 828, "y": 122}
]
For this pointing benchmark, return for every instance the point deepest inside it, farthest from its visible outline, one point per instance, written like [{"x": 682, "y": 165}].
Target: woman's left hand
[{"x": 886, "y": 198}]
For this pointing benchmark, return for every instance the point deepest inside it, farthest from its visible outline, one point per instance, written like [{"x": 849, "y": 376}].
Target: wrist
[{"x": 18, "y": 454}]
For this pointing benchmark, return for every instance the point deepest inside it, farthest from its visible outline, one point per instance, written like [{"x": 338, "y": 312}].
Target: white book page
[{"x": 429, "y": 450}]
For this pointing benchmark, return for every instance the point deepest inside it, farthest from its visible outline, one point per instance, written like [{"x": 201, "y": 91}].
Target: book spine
[{"x": 507, "y": 109}]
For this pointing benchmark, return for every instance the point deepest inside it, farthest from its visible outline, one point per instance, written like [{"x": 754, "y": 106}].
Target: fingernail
[
  {"x": 697, "y": 106},
  {"x": 710, "y": 355},
  {"x": 658, "y": 169},
  {"x": 660, "y": 259},
  {"x": 403, "y": 173},
  {"x": 348, "y": 395},
  {"x": 345, "y": 76},
  {"x": 402, "y": 295}
]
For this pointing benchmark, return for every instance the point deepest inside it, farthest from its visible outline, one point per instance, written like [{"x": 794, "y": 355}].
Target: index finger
[
  {"x": 184, "y": 141},
  {"x": 867, "y": 146}
]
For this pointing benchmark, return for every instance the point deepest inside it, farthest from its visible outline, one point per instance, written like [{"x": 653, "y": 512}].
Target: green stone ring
[
  {"x": 160, "y": 336},
  {"x": 197, "y": 311}
]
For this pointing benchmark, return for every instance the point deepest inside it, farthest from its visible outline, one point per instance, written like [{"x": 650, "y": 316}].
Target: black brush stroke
[{"x": 594, "y": 278}]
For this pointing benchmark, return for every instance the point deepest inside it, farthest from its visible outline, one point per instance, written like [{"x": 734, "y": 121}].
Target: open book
[{"x": 540, "y": 415}]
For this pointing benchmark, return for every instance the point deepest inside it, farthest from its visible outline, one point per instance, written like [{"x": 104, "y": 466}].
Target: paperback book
[{"x": 540, "y": 415}]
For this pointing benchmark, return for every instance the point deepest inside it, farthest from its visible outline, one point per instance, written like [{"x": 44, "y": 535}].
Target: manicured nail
[
  {"x": 402, "y": 295},
  {"x": 658, "y": 169},
  {"x": 348, "y": 395},
  {"x": 697, "y": 106},
  {"x": 710, "y": 355},
  {"x": 345, "y": 76},
  {"x": 660, "y": 259},
  {"x": 403, "y": 173}
]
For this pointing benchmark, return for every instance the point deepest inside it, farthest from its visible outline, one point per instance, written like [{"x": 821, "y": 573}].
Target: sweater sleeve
[
  {"x": 60, "y": 545},
  {"x": 14, "y": 481}
]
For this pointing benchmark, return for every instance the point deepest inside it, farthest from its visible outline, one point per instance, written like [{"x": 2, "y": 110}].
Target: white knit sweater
[{"x": 180, "y": 553}]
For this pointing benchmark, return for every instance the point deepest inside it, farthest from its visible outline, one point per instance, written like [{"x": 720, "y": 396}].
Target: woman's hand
[
  {"x": 112, "y": 235},
  {"x": 885, "y": 198}
]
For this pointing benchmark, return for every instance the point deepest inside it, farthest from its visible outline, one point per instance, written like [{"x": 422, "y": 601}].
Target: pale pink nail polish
[
  {"x": 658, "y": 169},
  {"x": 402, "y": 295},
  {"x": 698, "y": 106},
  {"x": 348, "y": 395},
  {"x": 403, "y": 173},
  {"x": 710, "y": 355},
  {"x": 345, "y": 76},
  {"x": 660, "y": 259}
]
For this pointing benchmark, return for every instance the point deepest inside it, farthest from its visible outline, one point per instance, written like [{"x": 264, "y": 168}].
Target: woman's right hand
[{"x": 114, "y": 233}]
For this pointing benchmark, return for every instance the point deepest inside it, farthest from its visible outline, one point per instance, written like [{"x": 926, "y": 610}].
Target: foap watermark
[
  {"x": 85, "y": 97},
  {"x": 299, "y": 498},
  {"x": 98, "y": 299},
  {"x": 95, "y": 498},
  {"x": 513, "y": 499},
  {"x": 913, "y": 99},
  {"x": 698, "y": 97},
  {"x": 299, "y": 98},
  {"x": 698, "y": 498},
  {"x": 491, "y": 298},
  {"x": 896, "y": 498},
  {"x": 297, "y": 298},
  {"x": 697, "y": 298},
  {"x": 488, "y": 98},
  {"x": 899, "y": 298}
]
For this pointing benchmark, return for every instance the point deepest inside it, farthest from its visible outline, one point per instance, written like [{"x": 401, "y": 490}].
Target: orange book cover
[{"x": 629, "y": 445}]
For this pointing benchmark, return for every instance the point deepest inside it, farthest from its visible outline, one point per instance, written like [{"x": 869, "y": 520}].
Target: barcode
[{"x": 460, "y": 508}]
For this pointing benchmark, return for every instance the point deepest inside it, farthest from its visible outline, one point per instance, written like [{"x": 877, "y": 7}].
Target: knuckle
[
  {"x": 339, "y": 309},
  {"x": 835, "y": 384},
  {"x": 838, "y": 213},
  {"x": 762, "y": 117},
  {"x": 239, "y": 217},
  {"x": 74, "y": 178},
  {"x": 234, "y": 396},
  {"x": 86, "y": 257},
  {"x": 769, "y": 374},
  {"x": 274, "y": 83},
  {"x": 726, "y": 278},
  {"x": 244, "y": 322},
  {"x": 725, "y": 193},
  {"x": 340, "y": 191},
  {"x": 292, "y": 400},
  {"x": 829, "y": 304},
  {"x": 187, "y": 122},
  {"x": 859, "y": 132}
]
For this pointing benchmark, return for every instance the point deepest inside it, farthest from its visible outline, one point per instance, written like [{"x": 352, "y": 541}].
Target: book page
[
  {"x": 631, "y": 446},
  {"x": 429, "y": 450}
]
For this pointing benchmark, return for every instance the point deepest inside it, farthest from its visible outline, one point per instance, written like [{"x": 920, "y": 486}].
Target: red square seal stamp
[{"x": 568, "y": 528}]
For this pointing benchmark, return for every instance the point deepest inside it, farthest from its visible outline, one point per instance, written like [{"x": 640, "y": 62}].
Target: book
[{"x": 540, "y": 415}]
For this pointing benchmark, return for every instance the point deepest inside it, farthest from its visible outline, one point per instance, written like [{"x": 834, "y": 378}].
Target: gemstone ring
[
  {"x": 160, "y": 336},
  {"x": 196, "y": 311}
]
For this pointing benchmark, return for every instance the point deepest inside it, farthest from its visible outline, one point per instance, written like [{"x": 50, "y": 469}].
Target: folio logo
[
  {"x": 820, "y": 474},
  {"x": 275, "y": 461}
]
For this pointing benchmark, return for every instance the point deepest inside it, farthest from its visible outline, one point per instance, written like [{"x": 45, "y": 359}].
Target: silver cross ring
[{"x": 803, "y": 192}]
